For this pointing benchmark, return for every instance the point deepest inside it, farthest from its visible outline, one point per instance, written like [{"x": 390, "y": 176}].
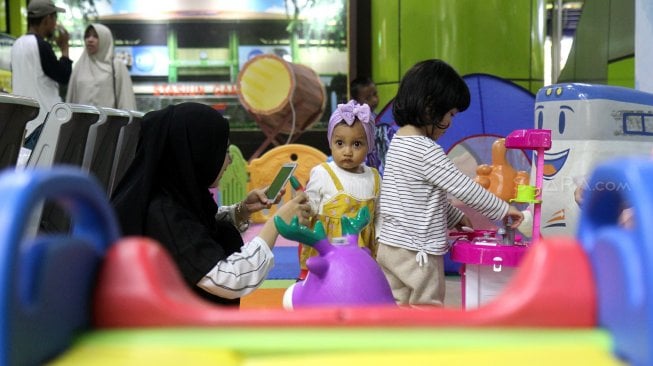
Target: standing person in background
[
  {"x": 414, "y": 206},
  {"x": 99, "y": 78},
  {"x": 363, "y": 90},
  {"x": 35, "y": 70}
]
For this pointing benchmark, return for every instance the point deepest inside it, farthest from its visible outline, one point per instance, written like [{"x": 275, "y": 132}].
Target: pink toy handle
[{"x": 540, "y": 141}]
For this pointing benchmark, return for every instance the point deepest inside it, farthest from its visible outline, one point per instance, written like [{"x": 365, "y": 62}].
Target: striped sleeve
[
  {"x": 441, "y": 171},
  {"x": 414, "y": 207},
  {"x": 454, "y": 215},
  {"x": 240, "y": 273}
]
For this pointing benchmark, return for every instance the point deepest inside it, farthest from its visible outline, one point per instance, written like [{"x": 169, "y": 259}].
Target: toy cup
[{"x": 526, "y": 194}]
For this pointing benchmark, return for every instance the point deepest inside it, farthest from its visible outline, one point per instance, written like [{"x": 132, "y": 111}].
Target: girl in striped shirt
[{"x": 414, "y": 209}]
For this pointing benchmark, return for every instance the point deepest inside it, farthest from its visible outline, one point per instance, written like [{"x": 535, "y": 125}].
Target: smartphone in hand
[{"x": 280, "y": 180}]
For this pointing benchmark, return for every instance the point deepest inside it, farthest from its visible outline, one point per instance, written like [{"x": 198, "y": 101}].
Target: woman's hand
[{"x": 256, "y": 200}]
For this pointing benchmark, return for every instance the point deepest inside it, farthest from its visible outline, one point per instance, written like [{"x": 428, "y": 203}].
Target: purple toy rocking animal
[{"x": 343, "y": 274}]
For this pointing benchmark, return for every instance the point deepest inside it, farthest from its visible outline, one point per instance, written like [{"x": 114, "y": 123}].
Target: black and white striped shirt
[
  {"x": 414, "y": 207},
  {"x": 242, "y": 272}
]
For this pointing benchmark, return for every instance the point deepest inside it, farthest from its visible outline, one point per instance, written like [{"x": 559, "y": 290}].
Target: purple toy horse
[{"x": 342, "y": 274}]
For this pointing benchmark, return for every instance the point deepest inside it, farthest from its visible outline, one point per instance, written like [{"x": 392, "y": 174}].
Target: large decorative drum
[{"x": 284, "y": 97}]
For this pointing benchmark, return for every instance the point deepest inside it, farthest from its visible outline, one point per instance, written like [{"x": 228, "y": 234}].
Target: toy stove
[{"x": 490, "y": 257}]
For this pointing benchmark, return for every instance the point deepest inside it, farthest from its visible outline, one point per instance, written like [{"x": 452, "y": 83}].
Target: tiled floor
[{"x": 452, "y": 297}]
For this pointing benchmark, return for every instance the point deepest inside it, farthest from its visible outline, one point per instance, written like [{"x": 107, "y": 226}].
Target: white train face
[{"x": 589, "y": 124}]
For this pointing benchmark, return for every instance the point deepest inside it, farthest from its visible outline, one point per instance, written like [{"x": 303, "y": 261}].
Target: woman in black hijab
[{"x": 182, "y": 152}]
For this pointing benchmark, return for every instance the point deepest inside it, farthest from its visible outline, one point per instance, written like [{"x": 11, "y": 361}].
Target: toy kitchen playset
[{"x": 490, "y": 257}]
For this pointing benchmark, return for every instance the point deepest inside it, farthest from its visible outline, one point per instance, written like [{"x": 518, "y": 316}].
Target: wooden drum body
[{"x": 284, "y": 97}]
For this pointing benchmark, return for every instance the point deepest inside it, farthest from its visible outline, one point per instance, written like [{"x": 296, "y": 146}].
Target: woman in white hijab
[{"x": 98, "y": 78}]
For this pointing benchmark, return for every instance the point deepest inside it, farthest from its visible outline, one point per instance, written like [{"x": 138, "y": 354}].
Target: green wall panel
[
  {"x": 420, "y": 25},
  {"x": 537, "y": 33},
  {"x": 535, "y": 85},
  {"x": 588, "y": 57},
  {"x": 504, "y": 38},
  {"x": 523, "y": 84},
  {"x": 385, "y": 41},
  {"x": 620, "y": 73},
  {"x": 605, "y": 34},
  {"x": 17, "y": 23},
  {"x": 492, "y": 36},
  {"x": 621, "y": 39},
  {"x": 386, "y": 93}
]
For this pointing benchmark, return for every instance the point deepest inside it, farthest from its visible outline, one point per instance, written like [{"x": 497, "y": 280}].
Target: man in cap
[{"x": 36, "y": 70}]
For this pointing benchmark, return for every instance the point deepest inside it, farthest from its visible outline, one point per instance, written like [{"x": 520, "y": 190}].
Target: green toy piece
[
  {"x": 353, "y": 226},
  {"x": 298, "y": 232},
  {"x": 294, "y": 182},
  {"x": 302, "y": 234}
]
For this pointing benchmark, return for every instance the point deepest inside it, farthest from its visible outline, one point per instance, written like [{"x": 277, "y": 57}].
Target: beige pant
[{"x": 411, "y": 283}]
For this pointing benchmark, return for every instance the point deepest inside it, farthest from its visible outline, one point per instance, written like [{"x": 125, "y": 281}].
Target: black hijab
[{"x": 181, "y": 150}]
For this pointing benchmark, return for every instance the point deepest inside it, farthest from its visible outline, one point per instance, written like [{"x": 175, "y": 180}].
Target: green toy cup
[{"x": 526, "y": 194}]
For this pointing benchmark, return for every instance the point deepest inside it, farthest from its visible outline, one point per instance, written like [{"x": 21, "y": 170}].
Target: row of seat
[
  {"x": 15, "y": 112},
  {"x": 101, "y": 141}
]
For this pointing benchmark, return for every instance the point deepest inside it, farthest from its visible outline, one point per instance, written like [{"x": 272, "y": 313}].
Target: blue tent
[{"x": 498, "y": 107}]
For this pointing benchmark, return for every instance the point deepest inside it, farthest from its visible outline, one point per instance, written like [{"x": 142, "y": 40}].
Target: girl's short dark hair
[{"x": 427, "y": 92}]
